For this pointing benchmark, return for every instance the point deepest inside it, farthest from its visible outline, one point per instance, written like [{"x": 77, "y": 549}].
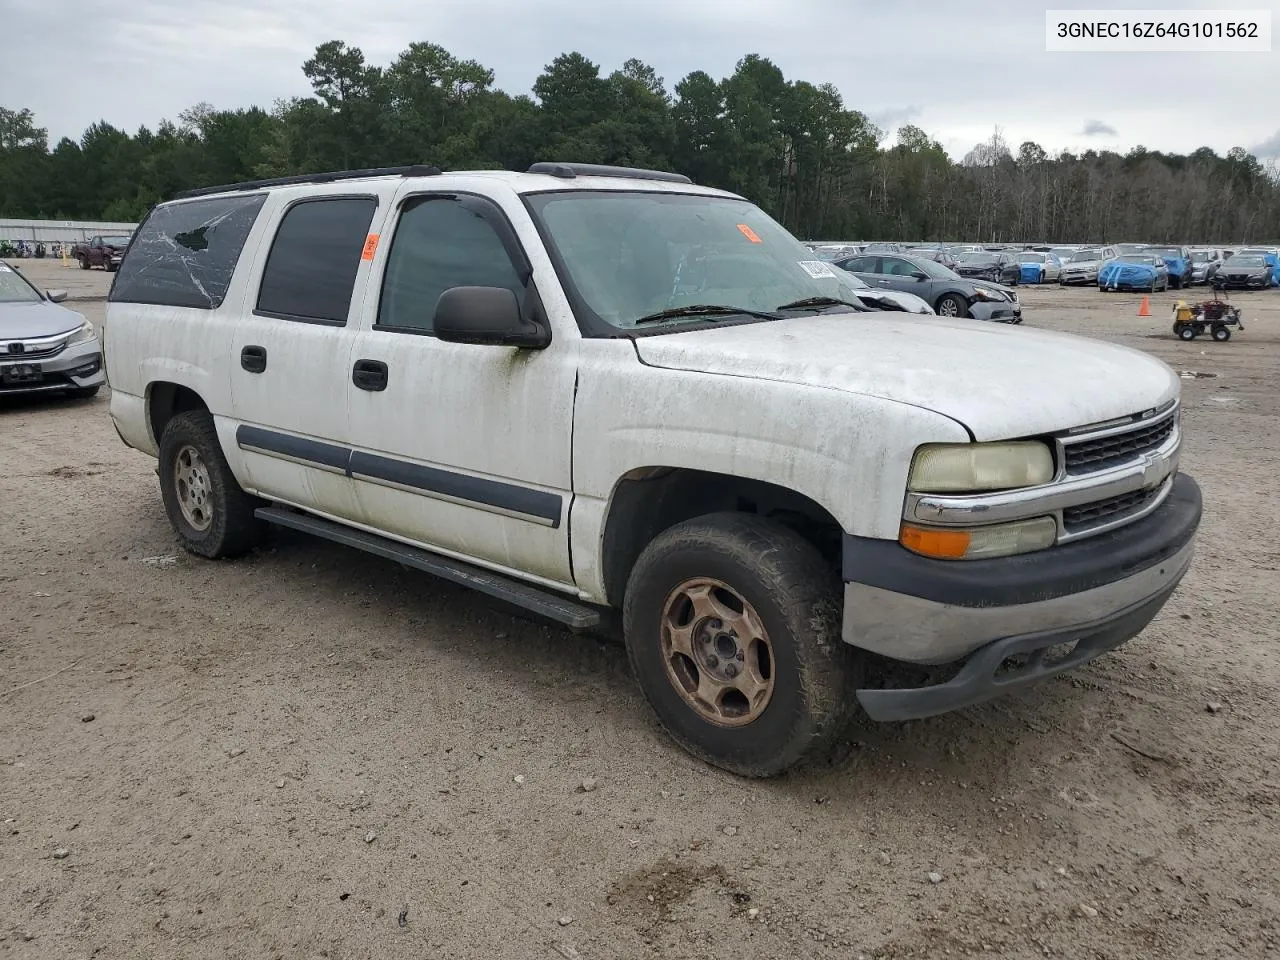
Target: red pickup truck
[{"x": 104, "y": 252}]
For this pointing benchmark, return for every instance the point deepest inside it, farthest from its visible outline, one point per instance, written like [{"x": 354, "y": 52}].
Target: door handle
[
  {"x": 254, "y": 358},
  {"x": 369, "y": 375}
]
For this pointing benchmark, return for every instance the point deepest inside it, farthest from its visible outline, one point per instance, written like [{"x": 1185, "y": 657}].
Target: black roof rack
[
  {"x": 414, "y": 170},
  {"x": 568, "y": 171}
]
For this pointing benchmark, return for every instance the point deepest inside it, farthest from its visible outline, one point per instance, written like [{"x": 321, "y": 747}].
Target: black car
[
  {"x": 949, "y": 295},
  {"x": 996, "y": 266},
  {"x": 1244, "y": 271}
]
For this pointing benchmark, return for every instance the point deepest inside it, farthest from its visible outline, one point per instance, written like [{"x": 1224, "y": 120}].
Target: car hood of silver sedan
[{"x": 29, "y": 321}]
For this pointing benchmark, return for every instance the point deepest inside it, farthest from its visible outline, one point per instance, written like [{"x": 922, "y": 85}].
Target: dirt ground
[{"x": 314, "y": 753}]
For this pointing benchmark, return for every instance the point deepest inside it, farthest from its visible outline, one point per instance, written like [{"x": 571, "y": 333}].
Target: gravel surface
[{"x": 314, "y": 753}]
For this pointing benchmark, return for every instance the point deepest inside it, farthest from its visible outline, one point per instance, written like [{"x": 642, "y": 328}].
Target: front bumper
[
  {"x": 1071, "y": 279},
  {"x": 996, "y": 311},
  {"x": 73, "y": 368},
  {"x": 1098, "y": 593}
]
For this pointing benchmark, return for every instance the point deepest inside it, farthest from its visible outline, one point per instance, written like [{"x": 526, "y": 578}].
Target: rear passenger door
[
  {"x": 291, "y": 349},
  {"x": 463, "y": 448}
]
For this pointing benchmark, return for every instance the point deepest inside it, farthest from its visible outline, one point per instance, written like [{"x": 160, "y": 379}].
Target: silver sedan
[{"x": 44, "y": 348}]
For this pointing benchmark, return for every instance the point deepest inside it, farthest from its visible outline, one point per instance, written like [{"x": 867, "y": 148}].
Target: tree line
[{"x": 823, "y": 169}]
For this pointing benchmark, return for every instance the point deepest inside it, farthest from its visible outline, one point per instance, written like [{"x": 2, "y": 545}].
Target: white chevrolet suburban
[{"x": 581, "y": 388}]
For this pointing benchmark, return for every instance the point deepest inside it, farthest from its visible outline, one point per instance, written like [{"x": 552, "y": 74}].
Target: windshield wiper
[
  {"x": 821, "y": 302},
  {"x": 704, "y": 310}
]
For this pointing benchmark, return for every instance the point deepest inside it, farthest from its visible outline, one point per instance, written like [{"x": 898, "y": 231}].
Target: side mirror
[
  {"x": 488, "y": 316},
  {"x": 920, "y": 275},
  {"x": 56, "y": 296}
]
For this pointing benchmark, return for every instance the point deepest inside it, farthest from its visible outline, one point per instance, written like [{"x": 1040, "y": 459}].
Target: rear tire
[
  {"x": 1221, "y": 334},
  {"x": 732, "y": 591},
  {"x": 211, "y": 515}
]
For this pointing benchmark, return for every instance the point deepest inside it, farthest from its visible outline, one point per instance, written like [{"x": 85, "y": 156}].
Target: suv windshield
[
  {"x": 628, "y": 255},
  {"x": 1082, "y": 255},
  {"x": 14, "y": 287}
]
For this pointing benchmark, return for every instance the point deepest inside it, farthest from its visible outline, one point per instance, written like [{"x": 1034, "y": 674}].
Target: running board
[{"x": 574, "y": 615}]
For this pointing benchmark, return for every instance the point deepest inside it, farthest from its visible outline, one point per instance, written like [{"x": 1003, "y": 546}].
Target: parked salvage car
[
  {"x": 1205, "y": 263},
  {"x": 831, "y": 252},
  {"x": 1271, "y": 255},
  {"x": 1037, "y": 267},
  {"x": 1065, "y": 254},
  {"x": 1134, "y": 271},
  {"x": 880, "y": 247},
  {"x": 1083, "y": 267},
  {"x": 104, "y": 251},
  {"x": 997, "y": 267},
  {"x": 882, "y": 297},
  {"x": 936, "y": 254},
  {"x": 949, "y": 294},
  {"x": 44, "y": 347},
  {"x": 1244, "y": 271},
  {"x": 771, "y": 487},
  {"x": 1177, "y": 261}
]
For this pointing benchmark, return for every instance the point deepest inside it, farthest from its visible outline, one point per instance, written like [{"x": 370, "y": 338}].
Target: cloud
[
  {"x": 1096, "y": 128},
  {"x": 895, "y": 116},
  {"x": 1268, "y": 149}
]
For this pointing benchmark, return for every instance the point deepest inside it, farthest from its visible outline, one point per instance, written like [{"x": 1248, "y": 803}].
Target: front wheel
[
  {"x": 732, "y": 627},
  {"x": 211, "y": 514},
  {"x": 84, "y": 263},
  {"x": 951, "y": 306},
  {"x": 1187, "y": 332}
]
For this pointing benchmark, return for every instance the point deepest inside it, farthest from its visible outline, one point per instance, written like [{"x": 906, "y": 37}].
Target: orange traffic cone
[{"x": 1145, "y": 309}]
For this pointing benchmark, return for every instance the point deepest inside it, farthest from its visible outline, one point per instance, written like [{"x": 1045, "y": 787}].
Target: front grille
[
  {"x": 1075, "y": 519},
  {"x": 7, "y": 353},
  {"x": 1088, "y": 456}
]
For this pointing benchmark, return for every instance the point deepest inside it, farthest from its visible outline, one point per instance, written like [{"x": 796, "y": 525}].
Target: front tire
[
  {"x": 84, "y": 263},
  {"x": 1188, "y": 332},
  {"x": 732, "y": 627},
  {"x": 209, "y": 512},
  {"x": 951, "y": 306}
]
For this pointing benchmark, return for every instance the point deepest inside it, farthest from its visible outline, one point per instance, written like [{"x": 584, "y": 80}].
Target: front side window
[
  {"x": 632, "y": 255},
  {"x": 311, "y": 269},
  {"x": 440, "y": 243},
  {"x": 185, "y": 253},
  {"x": 14, "y": 287}
]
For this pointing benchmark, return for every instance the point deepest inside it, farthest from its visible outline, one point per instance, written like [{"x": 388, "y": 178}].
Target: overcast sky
[{"x": 957, "y": 68}]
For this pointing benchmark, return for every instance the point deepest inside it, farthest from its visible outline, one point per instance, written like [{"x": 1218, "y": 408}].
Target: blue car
[
  {"x": 1178, "y": 262},
  {"x": 1134, "y": 271}
]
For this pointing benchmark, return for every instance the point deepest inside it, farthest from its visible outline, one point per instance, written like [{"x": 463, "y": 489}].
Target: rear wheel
[
  {"x": 951, "y": 306},
  {"x": 732, "y": 627},
  {"x": 212, "y": 516},
  {"x": 1221, "y": 334}
]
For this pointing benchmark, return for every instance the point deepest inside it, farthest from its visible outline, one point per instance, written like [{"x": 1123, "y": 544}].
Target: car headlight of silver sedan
[{"x": 83, "y": 334}]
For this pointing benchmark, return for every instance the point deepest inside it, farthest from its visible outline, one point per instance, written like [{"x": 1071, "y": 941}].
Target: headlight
[
  {"x": 970, "y": 467},
  {"x": 980, "y": 543},
  {"x": 85, "y": 333}
]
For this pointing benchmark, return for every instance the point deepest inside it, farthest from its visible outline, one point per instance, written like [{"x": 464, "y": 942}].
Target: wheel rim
[
  {"x": 947, "y": 308},
  {"x": 194, "y": 489},
  {"x": 716, "y": 652}
]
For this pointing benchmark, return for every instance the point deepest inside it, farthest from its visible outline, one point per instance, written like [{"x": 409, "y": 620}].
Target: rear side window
[
  {"x": 184, "y": 254},
  {"x": 311, "y": 269}
]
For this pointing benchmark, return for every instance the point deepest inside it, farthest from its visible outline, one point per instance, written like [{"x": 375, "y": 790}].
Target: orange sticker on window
[
  {"x": 370, "y": 246},
  {"x": 749, "y": 233}
]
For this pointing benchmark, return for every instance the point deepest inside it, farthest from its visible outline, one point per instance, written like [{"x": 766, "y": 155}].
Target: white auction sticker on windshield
[{"x": 816, "y": 269}]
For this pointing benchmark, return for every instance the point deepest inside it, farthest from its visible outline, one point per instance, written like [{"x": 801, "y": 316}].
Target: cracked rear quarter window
[{"x": 185, "y": 253}]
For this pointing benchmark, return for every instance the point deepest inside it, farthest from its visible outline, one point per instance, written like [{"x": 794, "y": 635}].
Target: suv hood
[{"x": 1001, "y": 382}]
